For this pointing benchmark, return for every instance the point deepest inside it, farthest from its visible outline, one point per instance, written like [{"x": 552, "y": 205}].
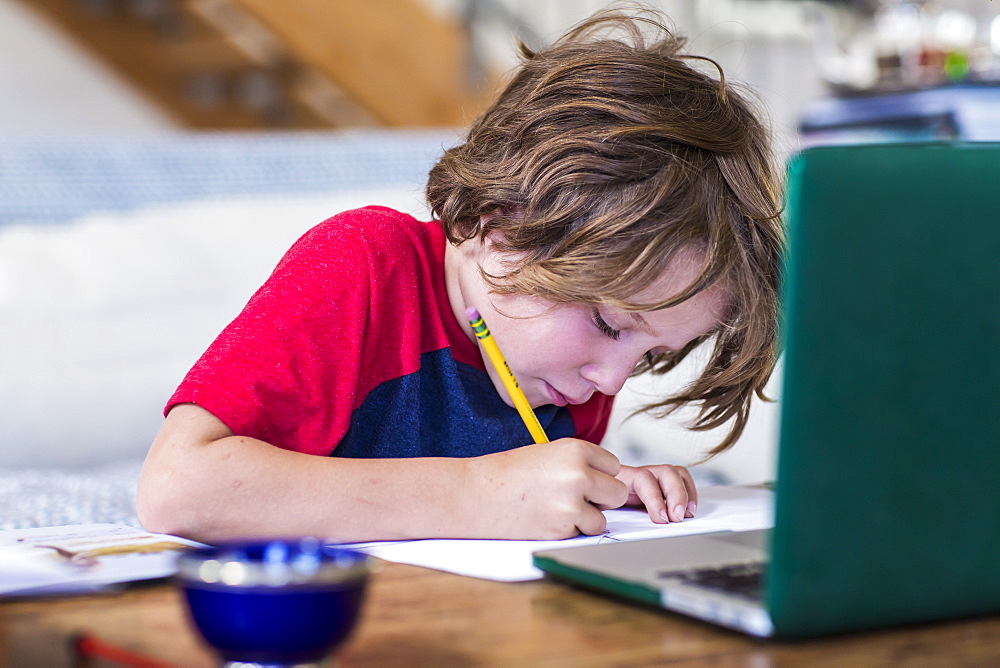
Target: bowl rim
[{"x": 313, "y": 563}]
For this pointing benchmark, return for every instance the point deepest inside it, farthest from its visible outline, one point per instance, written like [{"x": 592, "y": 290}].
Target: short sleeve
[{"x": 288, "y": 369}]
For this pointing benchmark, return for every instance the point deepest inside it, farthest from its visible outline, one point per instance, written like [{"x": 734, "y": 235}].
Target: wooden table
[{"x": 419, "y": 617}]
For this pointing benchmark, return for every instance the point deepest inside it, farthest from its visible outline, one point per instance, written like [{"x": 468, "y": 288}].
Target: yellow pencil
[{"x": 509, "y": 382}]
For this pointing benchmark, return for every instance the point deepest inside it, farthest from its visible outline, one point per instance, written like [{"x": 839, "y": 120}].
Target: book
[{"x": 84, "y": 558}]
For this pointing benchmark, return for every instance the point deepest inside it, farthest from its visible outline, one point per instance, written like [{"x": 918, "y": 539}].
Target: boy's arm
[{"x": 201, "y": 481}]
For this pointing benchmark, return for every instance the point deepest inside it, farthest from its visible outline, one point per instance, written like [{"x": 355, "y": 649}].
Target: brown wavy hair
[{"x": 606, "y": 154}]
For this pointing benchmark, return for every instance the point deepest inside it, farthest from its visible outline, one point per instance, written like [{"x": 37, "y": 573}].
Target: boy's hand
[
  {"x": 546, "y": 491},
  {"x": 667, "y": 492}
]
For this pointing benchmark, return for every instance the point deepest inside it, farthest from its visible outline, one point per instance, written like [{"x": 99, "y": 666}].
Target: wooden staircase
[{"x": 243, "y": 64}]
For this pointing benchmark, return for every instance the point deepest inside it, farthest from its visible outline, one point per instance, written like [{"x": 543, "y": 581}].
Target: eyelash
[{"x": 605, "y": 328}]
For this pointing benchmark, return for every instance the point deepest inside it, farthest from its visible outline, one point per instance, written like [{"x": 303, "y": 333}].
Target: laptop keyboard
[{"x": 743, "y": 580}]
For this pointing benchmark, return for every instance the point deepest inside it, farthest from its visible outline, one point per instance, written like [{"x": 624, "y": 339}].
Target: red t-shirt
[{"x": 351, "y": 348}]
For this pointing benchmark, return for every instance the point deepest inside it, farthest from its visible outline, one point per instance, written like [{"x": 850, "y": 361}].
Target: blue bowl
[{"x": 274, "y": 603}]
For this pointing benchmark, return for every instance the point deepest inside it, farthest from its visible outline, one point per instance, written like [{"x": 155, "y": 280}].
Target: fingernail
[
  {"x": 692, "y": 508},
  {"x": 679, "y": 513},
  {"x": 664, "y": 516}
]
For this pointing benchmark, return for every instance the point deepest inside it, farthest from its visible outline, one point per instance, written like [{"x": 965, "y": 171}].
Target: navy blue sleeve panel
[{"x": 447, "y": 409}]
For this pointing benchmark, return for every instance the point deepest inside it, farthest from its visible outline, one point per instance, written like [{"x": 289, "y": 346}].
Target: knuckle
[
  {"x": 571, "y": 449},
  {"x": 622, "y": 493},
  {"x": 645, "y": 475},
  {"x": 598, "y": 526}
]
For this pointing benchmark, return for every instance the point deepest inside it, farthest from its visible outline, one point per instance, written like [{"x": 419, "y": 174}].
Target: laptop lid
[{"x": 887, "y": 495}]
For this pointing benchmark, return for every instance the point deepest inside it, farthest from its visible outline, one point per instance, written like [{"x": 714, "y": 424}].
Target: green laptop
[{"x": 888, "y": 483}]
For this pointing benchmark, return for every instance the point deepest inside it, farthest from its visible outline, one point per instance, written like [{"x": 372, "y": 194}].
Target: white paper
[
  {"x": 719, "y": 509},
  {"x": 84, "y": 557}
]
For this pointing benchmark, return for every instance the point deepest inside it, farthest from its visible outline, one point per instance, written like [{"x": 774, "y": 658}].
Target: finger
[
  {"x": 675, "y": 492},
  {"x": 603, "y": 460},
  {"x": 591, "y": 521},
  {"x": 692, "y": 491},
  {"x": 606, "y": 491},
  {"x": 647, "y": 488}
]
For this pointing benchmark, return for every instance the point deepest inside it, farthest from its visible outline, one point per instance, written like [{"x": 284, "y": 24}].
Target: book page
[
  {"x": 722, "y": 508},
  {"x": 82, "y": 558}
]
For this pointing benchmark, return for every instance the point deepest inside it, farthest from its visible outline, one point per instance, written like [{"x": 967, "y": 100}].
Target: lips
[
  {"x": 560, "y": 399},
  {"x": 555, "y": 395}
]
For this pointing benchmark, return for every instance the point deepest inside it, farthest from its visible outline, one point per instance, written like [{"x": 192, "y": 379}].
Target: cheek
[{"x": 551, "y": 346}]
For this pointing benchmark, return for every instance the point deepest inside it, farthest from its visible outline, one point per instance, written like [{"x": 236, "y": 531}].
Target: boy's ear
[{"x": 494, "y": 236}]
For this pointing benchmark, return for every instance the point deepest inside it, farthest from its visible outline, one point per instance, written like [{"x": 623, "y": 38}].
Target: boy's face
[{"x": 563, "y": 353}]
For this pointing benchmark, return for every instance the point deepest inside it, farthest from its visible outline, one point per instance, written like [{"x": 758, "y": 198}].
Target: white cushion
[{"x": 102, "y": 316}]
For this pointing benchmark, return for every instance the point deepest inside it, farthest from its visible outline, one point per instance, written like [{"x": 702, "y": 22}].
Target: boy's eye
[{"x": 603, "y": 325}]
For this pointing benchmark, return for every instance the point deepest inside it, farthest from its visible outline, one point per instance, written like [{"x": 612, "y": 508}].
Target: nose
[{"x": 608, "y": 376}]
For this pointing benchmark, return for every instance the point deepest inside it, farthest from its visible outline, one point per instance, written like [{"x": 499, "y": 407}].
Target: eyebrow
[{"x": 641, "y": 322}]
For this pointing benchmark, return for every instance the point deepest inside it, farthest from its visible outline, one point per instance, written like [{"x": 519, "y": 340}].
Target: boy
[{"x": 611, "y": 211}]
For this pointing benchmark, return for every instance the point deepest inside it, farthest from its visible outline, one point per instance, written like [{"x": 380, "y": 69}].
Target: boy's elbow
[
  {"x": 164, "y": 506},
  {"x": 173, "y": 486},
  {"x": 159, "y": 511}
]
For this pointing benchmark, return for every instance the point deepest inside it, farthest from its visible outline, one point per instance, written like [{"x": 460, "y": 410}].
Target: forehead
[
  {"x": 680, "y": 273},
  {"x": 702, "y": 312}
]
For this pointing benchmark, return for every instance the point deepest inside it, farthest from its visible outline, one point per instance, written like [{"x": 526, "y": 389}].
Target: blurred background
[
  {"x": 157, "y": 157},
  {"x": 166, "y": 65}
]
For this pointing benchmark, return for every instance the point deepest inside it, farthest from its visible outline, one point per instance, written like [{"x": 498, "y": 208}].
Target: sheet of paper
[
  {"x": 84, "y": 557},
  {"x": 719, "y": 509}
]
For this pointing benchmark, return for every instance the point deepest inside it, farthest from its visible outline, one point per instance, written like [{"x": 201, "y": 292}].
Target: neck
[{"x": 459, "y": 261}]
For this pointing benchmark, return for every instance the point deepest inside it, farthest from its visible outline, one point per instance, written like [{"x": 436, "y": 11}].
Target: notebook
[{"x": 888, "y": 482}]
